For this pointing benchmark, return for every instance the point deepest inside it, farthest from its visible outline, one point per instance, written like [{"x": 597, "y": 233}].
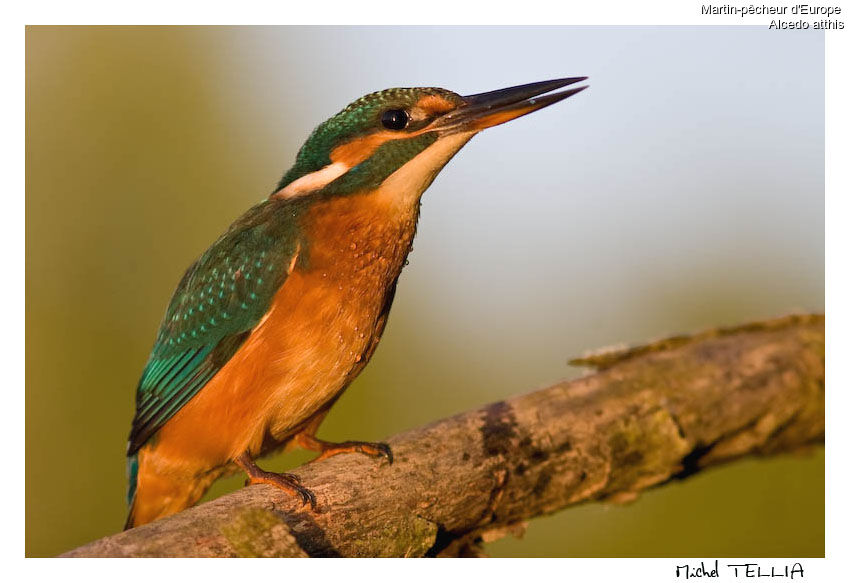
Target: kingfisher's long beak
[{"x": 484, "y": 110}]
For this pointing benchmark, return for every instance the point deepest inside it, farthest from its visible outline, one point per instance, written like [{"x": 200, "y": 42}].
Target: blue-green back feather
[{"x": 221, "y": 297}]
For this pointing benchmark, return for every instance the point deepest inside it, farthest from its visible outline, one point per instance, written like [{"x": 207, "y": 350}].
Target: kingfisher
[{"x": 269, "y": 325}]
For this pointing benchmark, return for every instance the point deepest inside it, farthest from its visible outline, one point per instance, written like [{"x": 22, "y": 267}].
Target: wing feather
[{"x": 219, "y": 300}]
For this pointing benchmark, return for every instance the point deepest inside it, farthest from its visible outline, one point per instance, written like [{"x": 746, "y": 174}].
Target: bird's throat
[
  {"x": 403, "y": 188},
  {"x": 360, "y": 241}
]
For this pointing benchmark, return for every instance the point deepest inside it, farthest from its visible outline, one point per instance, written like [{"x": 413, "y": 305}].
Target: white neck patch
[{"x": 313, "y": 181}]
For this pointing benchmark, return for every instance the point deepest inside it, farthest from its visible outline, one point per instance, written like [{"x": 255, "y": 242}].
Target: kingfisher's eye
[{"x": 395, "y": 119}]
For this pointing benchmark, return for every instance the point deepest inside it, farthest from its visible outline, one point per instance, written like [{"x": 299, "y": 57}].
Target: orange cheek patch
[
  {"x": 359, "y": 149},
  {"x": 354, "y": 152}
]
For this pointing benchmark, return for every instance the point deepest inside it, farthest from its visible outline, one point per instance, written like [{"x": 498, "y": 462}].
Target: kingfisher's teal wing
[{"x": 221, "y": 297}]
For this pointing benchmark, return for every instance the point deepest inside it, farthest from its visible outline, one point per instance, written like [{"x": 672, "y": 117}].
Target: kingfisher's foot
[
  {"x": 289, "y": 483},
  {"x": 329, "y": 449}
]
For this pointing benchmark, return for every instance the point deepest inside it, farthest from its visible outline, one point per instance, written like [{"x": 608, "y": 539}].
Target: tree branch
[{"x": 648, "y": 415}]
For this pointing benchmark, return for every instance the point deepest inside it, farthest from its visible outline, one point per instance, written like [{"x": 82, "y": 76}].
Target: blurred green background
[{"x": 684, "y": 190}]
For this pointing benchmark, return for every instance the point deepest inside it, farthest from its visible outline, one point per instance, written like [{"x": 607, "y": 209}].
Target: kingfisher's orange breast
[{"x": 320, "y": 329}]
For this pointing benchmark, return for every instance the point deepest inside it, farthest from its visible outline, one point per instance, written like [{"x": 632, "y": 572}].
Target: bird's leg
[
  {"x": 330, "y": 449},
  {"x": 308, "y": 440},
  {"x": 289, "y": 483}
]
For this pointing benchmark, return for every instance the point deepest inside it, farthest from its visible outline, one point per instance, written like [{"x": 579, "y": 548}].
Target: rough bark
[{"x": 646, "y": 416}]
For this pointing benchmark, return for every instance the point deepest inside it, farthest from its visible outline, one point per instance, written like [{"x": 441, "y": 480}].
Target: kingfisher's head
[{"x": 405, "y": 136}]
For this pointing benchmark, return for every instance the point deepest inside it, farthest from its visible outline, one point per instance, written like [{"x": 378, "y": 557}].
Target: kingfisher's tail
[
  {"x": 152, "y": 495},
  {"x": 132, "y": 479}
]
